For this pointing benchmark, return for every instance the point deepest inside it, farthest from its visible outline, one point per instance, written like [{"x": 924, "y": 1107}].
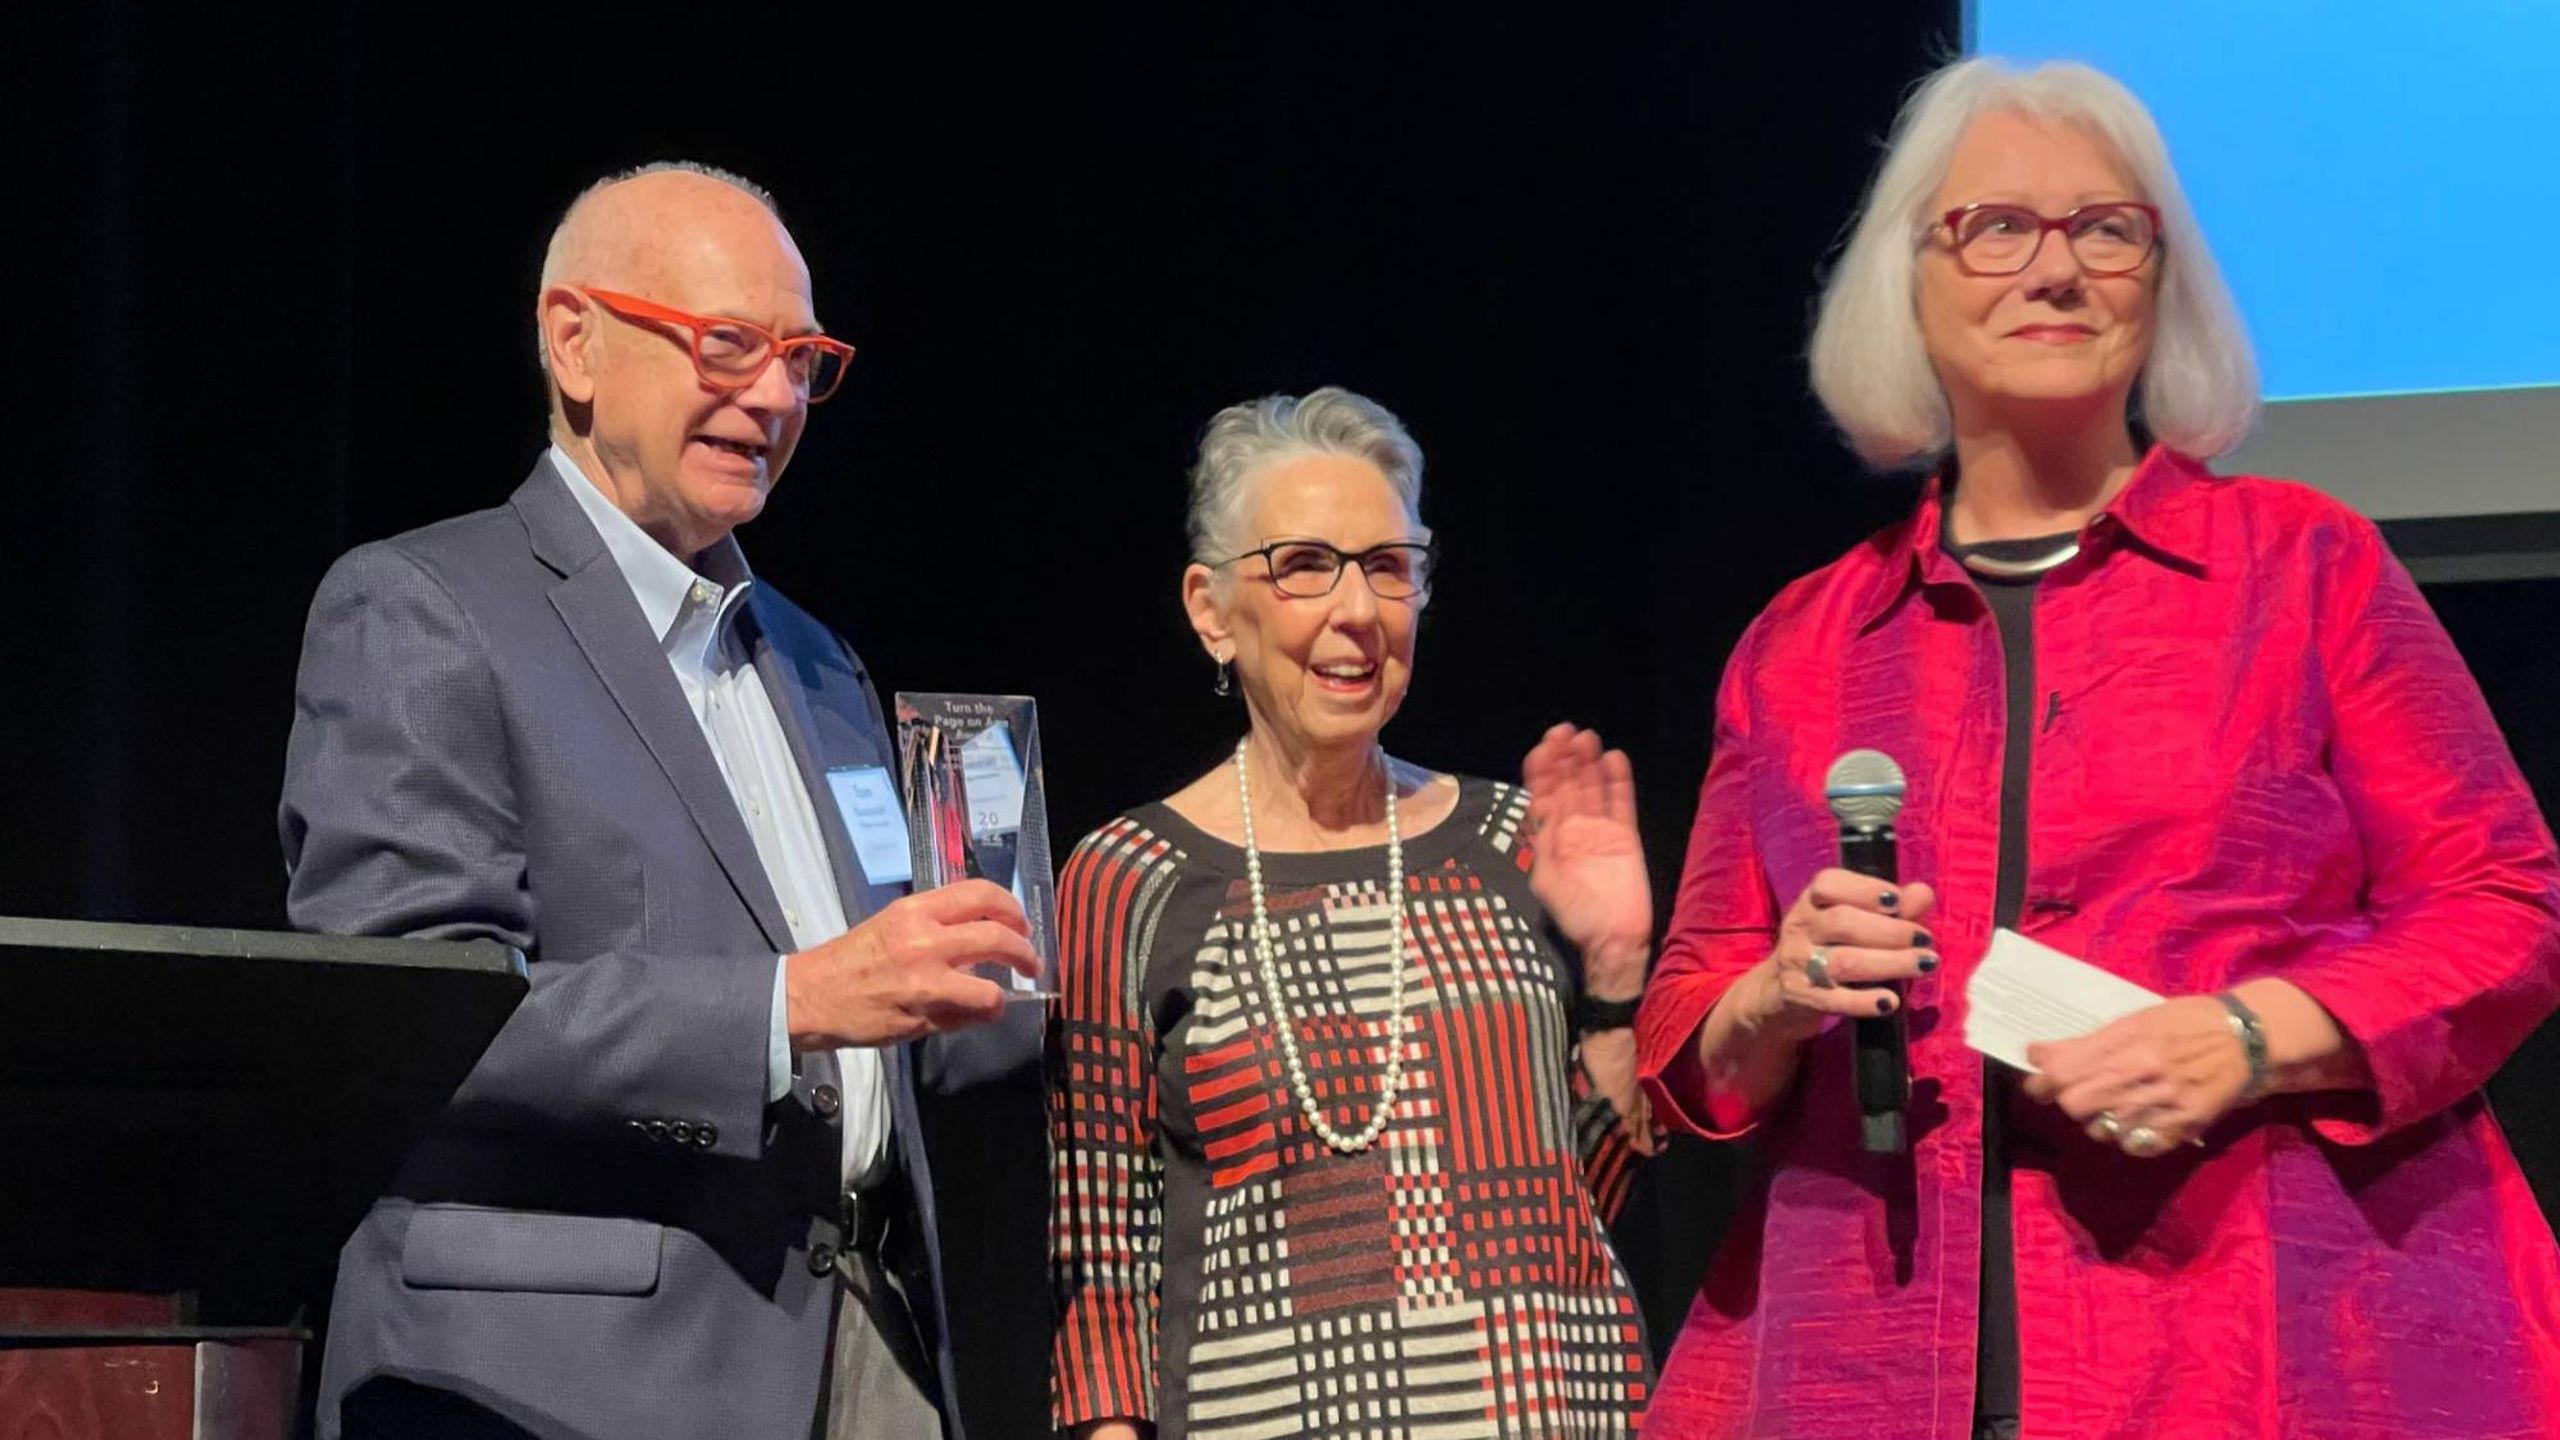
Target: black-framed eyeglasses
[{"x": 1309, "y": 569}]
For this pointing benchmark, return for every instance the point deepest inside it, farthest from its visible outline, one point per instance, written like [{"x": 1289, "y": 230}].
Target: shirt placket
[
  {"x": 726, "y": 675},
  {"x": 1963, "y": 861}
]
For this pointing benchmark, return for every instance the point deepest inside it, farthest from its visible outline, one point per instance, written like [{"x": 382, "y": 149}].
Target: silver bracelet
[{"x": 2253, "y": 1042}]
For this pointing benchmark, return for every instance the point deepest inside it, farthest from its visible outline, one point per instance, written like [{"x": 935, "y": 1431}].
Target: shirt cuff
[{"x": 777, "y": 1050}]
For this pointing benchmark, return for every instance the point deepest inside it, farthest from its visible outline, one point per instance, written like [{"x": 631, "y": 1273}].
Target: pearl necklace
[{"x": 1266, "y": 954}]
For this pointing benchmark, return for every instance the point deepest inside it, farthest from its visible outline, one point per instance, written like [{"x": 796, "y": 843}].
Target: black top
[{"x": 2013, "y": 607}]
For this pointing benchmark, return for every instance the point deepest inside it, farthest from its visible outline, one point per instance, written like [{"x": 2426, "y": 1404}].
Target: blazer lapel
[
  {"x": 792, "y": 680},
  {"x": 596, "y": 603},
  {"x": 791, "y": 706}
]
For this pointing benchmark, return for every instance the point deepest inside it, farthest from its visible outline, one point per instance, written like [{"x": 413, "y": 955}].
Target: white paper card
[
  {"x": 872, "y": 816},
  {"x": 994, "y": 779},
  {"x": 2025, "y": 993}
]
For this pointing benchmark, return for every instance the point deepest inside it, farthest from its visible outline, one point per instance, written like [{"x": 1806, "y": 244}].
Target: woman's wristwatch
[
  {"x": 1592, "y": 1014},
  {"x": 2253, "y": 1042}
]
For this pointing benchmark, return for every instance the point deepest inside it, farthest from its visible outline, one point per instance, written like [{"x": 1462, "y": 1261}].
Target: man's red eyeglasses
[{"x": 729, "y": 354}]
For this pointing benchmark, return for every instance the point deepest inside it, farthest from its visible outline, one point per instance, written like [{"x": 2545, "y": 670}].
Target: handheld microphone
[{"x": 1864, "y": 789}]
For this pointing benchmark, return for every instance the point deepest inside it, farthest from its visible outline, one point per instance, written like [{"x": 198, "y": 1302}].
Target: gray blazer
[{"x": 609, "y": 1231}]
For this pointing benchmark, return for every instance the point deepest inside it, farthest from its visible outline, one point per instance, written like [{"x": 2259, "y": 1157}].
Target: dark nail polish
[
  {"x": 1884, "y": 1005},
  {"x": 1889, "y": 899},
  {"x": 1922, "y": 940},
  {"x": 1928, "y": 963}
]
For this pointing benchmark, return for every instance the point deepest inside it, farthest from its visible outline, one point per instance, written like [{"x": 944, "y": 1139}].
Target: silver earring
[{"x": 1226, "y": 681}]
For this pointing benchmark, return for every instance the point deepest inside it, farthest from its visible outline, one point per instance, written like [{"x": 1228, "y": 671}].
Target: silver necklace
[
  {"x": 1267, "y": 957},
  {"x": 2017, "y": 569}
]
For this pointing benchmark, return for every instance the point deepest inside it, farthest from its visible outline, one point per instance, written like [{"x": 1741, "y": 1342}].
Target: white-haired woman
[
  {"x": 1342, "y": 1087},
  {"x": 2200, "y": 732}
]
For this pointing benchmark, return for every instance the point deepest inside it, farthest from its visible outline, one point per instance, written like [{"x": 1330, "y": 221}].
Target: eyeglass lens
[{"x": 733, "y": 352}]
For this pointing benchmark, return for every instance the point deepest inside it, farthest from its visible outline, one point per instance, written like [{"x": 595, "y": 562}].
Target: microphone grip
[
  {"x": 1883, "y": 1054},
  {"x": 1870, "y": 853}
]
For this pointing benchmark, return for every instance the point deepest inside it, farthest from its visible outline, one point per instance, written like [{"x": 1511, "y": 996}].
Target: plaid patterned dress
[{"x": 1222, "y": 1273}]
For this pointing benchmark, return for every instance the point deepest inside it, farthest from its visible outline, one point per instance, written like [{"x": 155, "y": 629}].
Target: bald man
[{"x": 684, "y": 1193}]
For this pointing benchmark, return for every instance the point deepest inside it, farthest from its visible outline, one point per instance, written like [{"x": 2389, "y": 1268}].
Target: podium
[{"x": 191, "y": 1123}]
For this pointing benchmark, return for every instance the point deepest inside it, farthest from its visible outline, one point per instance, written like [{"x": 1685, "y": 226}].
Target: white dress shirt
[{"x": 694, "y": 615}]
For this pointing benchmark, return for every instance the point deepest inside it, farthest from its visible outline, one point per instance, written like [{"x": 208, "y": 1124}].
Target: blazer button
[
  {"x": 681, "y": 1133},
  {"x": 657, "y": 1129},
  {"x": 706, "y": 1134},
  {"x": 827, "y": 1100},
  {"x": 822, "y": 1258}
]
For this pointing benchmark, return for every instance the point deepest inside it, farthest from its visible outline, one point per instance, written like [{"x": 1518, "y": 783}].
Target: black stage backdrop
[{"x": 272, "y": 299}]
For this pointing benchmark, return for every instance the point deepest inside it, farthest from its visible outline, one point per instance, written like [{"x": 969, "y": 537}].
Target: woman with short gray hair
[
  {"x": 2197, "y": 733},
  {"x": 1342, "y": 1087}
]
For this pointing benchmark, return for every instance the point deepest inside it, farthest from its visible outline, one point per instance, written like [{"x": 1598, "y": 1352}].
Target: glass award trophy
[{"x": 969, "y": 767}]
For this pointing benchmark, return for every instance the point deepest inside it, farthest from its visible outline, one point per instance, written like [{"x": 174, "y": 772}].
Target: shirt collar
[
  {"x": 2166, "y": 507},
  {"x": 688, "y": 609},
  {"x": 2162, "y": 510}
]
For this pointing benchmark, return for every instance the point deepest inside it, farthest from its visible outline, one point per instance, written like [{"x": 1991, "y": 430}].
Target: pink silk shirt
[{"x": 2256, "y": 753}]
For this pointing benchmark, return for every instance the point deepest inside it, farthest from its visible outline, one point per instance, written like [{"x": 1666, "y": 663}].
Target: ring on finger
[
  {"x": 2143, "y": 1140},
  {"x": 1817, "y": 968},
  {"x": 2105, "y": 1128}
]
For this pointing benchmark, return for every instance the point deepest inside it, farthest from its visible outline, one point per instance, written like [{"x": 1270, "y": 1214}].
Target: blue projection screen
[{"x": 2380, "y": 181}]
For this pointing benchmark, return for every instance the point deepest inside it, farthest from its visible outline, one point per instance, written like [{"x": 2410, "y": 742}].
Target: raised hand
[{"x": 1588, "y": 860}]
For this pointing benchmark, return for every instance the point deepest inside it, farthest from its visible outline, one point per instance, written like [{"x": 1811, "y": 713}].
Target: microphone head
[{"x": 1864, "y": 789}]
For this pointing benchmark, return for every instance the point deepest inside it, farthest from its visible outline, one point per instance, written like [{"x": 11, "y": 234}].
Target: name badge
[{"x": 869, "y": 804}]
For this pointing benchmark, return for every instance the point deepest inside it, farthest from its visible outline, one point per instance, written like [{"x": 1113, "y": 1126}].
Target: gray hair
[
  {"x": 2199, "y": 389},
  {"x": 554, "y": 254},
  {"x": 1241, "y": 439}
]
